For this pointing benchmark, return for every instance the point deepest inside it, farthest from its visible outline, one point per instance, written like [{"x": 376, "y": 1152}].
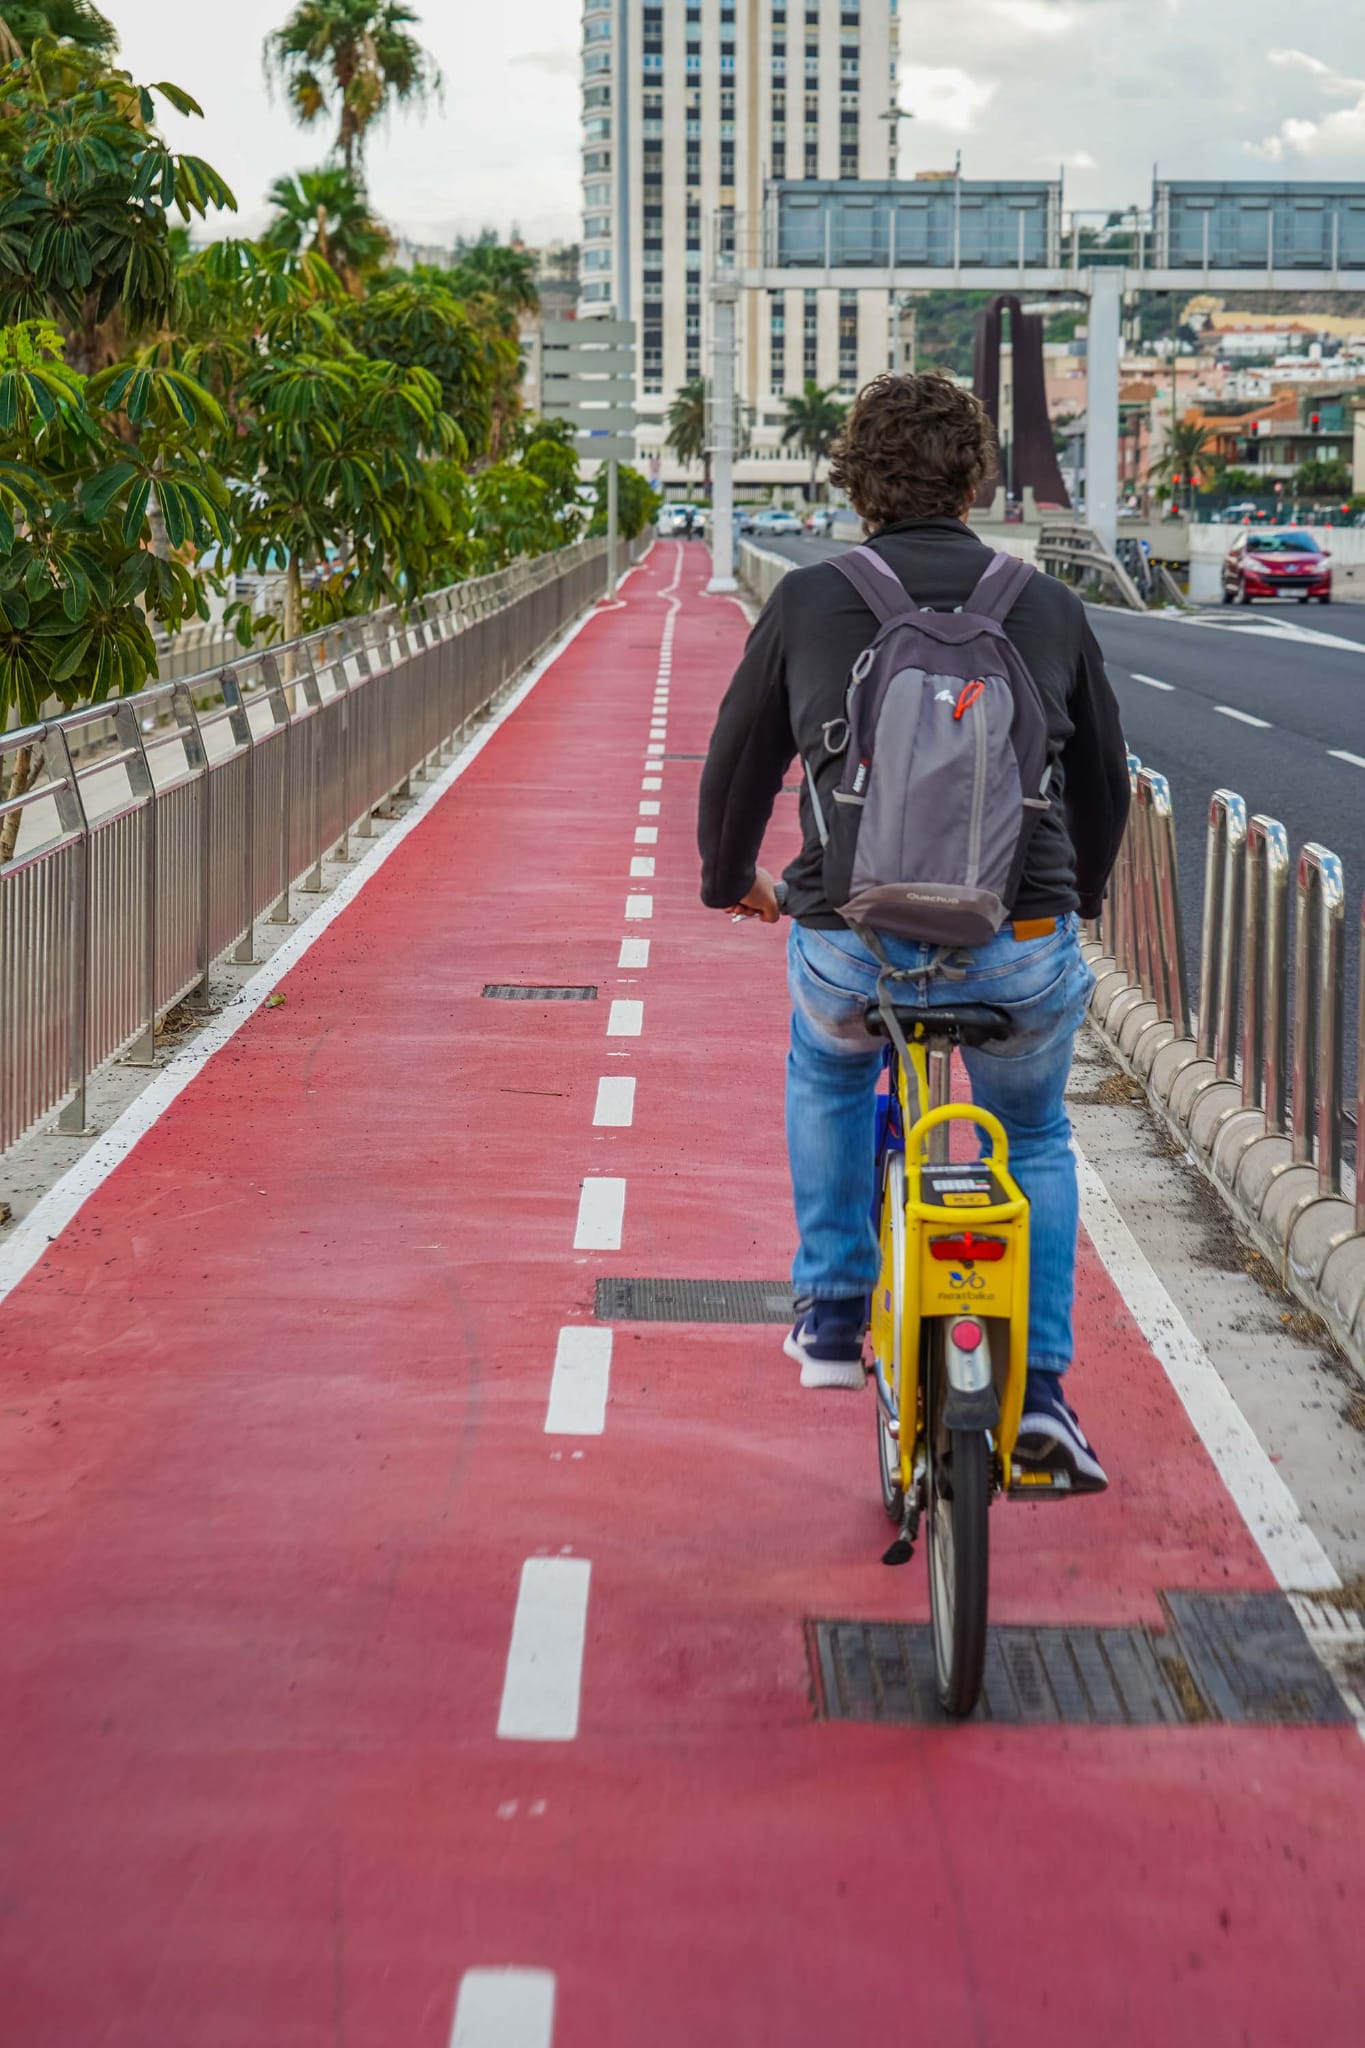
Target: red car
[{"x": 1276, "y": 565}]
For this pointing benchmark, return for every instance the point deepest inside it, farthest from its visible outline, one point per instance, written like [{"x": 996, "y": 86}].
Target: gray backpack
[{"x": 945, "y": 763}]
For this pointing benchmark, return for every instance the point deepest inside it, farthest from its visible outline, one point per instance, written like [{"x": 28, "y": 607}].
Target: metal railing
[
  {"x": 196, "y": 811},
  {"x": 1076, "y": 554}
]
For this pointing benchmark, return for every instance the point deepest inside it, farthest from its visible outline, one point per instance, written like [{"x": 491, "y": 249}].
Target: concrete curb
[{"x": 1310, "y": 1238}]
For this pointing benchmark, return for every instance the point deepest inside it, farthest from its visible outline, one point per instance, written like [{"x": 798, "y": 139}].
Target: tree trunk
[
  {"x": 293, "y": 600},
  {"x": 27, "y": 767}
]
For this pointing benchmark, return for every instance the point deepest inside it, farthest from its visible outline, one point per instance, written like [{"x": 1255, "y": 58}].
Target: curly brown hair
[{"x": 913, "y": 448}]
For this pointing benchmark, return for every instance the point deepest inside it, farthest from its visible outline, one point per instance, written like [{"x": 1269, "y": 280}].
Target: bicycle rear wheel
[{"x": 958, "y": 1485}]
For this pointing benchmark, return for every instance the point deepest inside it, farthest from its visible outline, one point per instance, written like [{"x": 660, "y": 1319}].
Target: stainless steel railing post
[
  {"x": 1221, "y": 946},
  {"x": 197, "y": 761},
  {"x": 142, "y": 1052},
  {"x": 1265, "y": 971},
  {"x": 72, "y": 818},
  {"x": 1319, "y": 929},
  {"x": 278, "y": 698},
  {"x": 1167, "y": 933}
]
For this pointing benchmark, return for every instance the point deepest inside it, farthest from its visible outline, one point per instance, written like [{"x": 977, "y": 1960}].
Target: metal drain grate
[
  {"x": 694, "y": 1301},
  {"x": 514, "y": 992},
  {"x": 1227, "y": 1657}
]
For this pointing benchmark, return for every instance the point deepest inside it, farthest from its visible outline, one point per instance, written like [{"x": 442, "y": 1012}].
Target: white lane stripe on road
[
  {"x": 1152, "y": 682},
  {"x": 601, "y": 1213},
  {"x": 642, "y": 866},
  {"x": 505, "y": 2008},
  {"x": 654, "y": 747},
  {"x": 652, "y": 782},
  {"x": 627, "y": 1019},
  {"x": 1265, "y": 1503},
  {"x": 544, "y": 1678},
  {"x": 639, "y": 906},
  {"x": 1340, "y": 754},
  {"x": 650, "y": 807},
  {"x": 634, "y": 953},
  {"x": 582, "y": 1379},
  {"x": 646, "y": 835},
  {"x": 615, "y": 1108},
  {"x": 1242, "y": 717}
]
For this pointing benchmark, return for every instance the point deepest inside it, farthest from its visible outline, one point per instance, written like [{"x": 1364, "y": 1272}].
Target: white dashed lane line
[
  {"x": 544, "y": 1677},
  {"x": 505, "y": 2009},
  {"x": 639, "y": 906},
  {"x": 601, "y": 1213},
  {"x": 649, "y": 808},
  {"x": 642, "y": 866},
  {"x": 1352, "y": 760},
  {"x": 581, "y": 1382},
  {"x": 615, "y": 1108},
  {"x": 634, "y": 953},
  {"x": 1242, "y": 717},
  {"x": 646, "y": 835},
  {"x": 627, "y": 1018},
  {"x": 1152, "y": 682}
]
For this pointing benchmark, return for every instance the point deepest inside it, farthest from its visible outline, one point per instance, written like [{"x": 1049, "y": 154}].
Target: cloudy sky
[{"x": 1202, "y": 88}]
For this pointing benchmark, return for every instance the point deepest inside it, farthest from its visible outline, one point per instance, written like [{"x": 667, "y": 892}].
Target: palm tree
[
  {"x": 687, "y": 435},
  {"x": 354, "y": 58},
  {"x": 1187, "y": 444},
  {"x": 324, "y": 211},
  {"x": 502, "y": 270},
  {"x": 67, "y": 21},
  {"x": 814, "y": 419}
]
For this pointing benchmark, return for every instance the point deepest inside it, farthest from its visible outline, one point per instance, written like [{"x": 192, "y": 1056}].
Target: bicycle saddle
[{"x": 973, "y": 1024}]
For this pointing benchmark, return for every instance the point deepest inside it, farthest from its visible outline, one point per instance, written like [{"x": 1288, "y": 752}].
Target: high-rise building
[{"x": 689, "y": 108}]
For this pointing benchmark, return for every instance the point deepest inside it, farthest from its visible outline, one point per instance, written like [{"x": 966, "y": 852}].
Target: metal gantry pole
[
  {"x": 724, "y": 301},
  {"x": 613, "y": 474},
  {"x": 1102, "y": 406}
]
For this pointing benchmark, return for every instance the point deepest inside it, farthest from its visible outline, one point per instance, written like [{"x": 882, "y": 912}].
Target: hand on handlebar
[{"x": 764, "y": 900}]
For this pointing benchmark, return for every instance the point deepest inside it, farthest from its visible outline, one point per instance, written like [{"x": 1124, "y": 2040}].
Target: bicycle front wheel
[{"x": 958, "y": 1478}]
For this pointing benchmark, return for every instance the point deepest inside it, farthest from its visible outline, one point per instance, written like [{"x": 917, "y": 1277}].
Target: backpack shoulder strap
[
  {"x": 878, "y": 585},
  {"x": 1005, "y": 579}
]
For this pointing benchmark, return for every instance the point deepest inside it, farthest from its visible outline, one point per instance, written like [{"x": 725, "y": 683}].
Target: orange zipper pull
[{"x": 968, "y": 698}]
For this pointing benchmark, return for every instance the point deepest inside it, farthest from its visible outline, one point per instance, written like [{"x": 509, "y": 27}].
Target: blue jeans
[{"x": 832, "y": 1071}]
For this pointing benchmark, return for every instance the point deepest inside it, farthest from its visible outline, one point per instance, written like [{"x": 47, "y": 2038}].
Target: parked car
[
  {"x": 777, "y": 520},
  {"x": 820, "y": 520},
  {"x": 1277, "y": 564},
  {"x": 673, "y": 519}
]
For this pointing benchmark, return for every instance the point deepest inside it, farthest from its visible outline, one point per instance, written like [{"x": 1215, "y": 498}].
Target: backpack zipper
[{"x": 977, "y": 819}]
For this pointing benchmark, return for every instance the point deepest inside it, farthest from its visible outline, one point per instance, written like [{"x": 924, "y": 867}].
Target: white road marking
[
  {"x": 1242, "y": 717},
  {"x": 505, "y": 2008},
  {"x": 642, "y": 866},
  {"x": 1152, "y": 682},
  {"x": 646, "y": 835},
  {"x": 654, "y": 747},
  {"x": 1265, "y": 1503},
  {"x": 652, "y": 782},
  {"x": 639, "y": 906},
  {"x": 650, "y": 808},
  {"x": 1340, "y": 754},
  {"x": 1267, "y": 629},
  {"x": 601, "y": 1212},
  {"x": 578, "y": 1389},
  {"x": 634, "y": 953},
  {"x": 615, "y": 1102},
  {"x": 627, "y": 1019},
  {"x": 540, "y": 1692}
]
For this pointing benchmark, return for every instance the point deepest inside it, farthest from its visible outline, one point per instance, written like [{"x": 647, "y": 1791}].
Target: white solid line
[
  {"x": 1152, "y": 682},
  {"x": 601, "y": 1212},
  {"x": 505, "y": 2008},
  {"x": 642, "y": 866},
  {"x": 634, "y": 953},
  {"x": 615, "y": 1102},
  {"x": 1339, "y": 754},
  {"x": 545, "y": 1662},
  {"x": 627, "y": 1019},
  {"x": 639, "y": 906},
  {"x": 646, "y": 835},
  {"x": 1265, "y": 1503},
  {"x": 578, "y": 1389},
  {"x": 47, "y": 1219},
  {"x": 1242, "y": 717},
  {"x": 649, "y": 808}
]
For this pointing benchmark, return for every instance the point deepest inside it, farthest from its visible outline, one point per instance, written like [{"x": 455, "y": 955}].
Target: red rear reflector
[
  {"x": 968, "y": 1248},
  {"x": 967, "y": 1336}
]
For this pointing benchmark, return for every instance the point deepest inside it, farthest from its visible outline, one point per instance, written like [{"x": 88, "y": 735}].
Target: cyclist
[{"x": 912, "y": 456}]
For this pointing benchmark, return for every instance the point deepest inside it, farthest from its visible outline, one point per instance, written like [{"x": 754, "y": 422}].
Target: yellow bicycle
[{"x": 949, "y": 1327}]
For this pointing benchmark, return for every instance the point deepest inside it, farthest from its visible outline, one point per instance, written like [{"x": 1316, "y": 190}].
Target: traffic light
[{"x": 1314, "y": 420}]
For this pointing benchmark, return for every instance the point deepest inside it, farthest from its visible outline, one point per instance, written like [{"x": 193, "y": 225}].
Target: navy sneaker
[
  {"x": 827, "y": 1342},
  {"x": 1052, "y": 1440}
]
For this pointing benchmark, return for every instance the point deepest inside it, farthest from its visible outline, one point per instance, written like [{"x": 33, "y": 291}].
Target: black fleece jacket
[{"x": 793, "y": 677}]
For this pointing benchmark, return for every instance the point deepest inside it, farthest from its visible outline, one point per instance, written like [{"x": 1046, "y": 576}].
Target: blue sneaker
[
  {"x": 1052, "y": 1440},
  {"x": 827, "y": 1342}
]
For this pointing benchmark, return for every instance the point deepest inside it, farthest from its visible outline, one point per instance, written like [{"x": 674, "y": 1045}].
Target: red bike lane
[{"x": 273, "y": 1457}]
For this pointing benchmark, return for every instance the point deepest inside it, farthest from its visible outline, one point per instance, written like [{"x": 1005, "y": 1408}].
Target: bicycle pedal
[{"x": 1027, "y": 1483}]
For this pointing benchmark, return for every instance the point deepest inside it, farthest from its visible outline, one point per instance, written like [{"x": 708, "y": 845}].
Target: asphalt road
[{"x": 1264, "y": 701}]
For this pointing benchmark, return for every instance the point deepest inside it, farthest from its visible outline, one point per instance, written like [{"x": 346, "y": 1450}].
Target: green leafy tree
[
  {"x": 85, "y": 463},
  {"x": 23, "y": 22},
  {"x": 505, "y": 272},
  {"x": 326, "y": 212},
  {"x": 421, "y": 322},
  {"x": 637, "y": 502},
  {"x": 86, "y": 192},
  {"x": 1323, "y": 479},
  {"x": 687, "y": 428},
  {"x": 814, "y": 418},
  {"x": 350, "y": 60}
]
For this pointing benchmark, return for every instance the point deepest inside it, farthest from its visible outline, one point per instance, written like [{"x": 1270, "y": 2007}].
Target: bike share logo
[{"x": 972, "y": 1280}]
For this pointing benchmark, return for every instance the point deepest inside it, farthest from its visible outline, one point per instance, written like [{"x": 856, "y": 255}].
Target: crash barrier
[
  {"x": 164, "y": 826},
  {"x": 760, "y": 571},
  {"x": 1255, "y": 1085},
  {"x": 1076, "y": 554}
]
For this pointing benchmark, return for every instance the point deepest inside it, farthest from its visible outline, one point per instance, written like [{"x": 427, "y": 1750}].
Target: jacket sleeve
[
  {"x": 751, "y": 749},
  {"x": 1095, "y": 760}
]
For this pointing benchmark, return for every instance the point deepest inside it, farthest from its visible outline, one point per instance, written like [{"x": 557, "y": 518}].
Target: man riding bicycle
[{"x": 912, "y": 457}]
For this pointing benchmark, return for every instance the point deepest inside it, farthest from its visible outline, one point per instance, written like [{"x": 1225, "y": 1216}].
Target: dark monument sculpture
[{"x": 1033, "y": 457}]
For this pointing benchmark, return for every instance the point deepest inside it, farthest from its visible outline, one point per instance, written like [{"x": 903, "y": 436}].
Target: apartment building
[{"x": 689, "y": 108}]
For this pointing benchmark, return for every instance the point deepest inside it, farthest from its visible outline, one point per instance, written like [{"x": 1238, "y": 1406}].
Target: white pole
[
  {"x": 611, "y": 528},
  {"x": 724, "y": 294},
  {"x": 1102, "y": 406}
]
